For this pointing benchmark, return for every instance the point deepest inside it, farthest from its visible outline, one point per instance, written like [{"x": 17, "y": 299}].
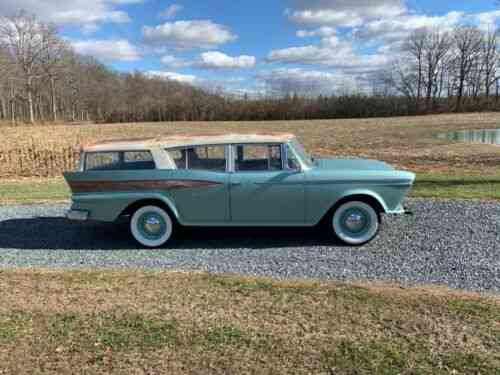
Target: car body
[{"x": 231, "y": 180}]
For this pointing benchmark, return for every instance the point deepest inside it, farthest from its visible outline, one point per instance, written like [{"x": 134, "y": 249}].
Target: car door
[
  {"x": 204, "y": 200},
  {"x": 262, "y": 191}
]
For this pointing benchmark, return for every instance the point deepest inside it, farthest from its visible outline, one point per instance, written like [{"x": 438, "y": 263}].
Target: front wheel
[
  {"x": 151, "y": 226},
  {"x": 356, "y": 223}
]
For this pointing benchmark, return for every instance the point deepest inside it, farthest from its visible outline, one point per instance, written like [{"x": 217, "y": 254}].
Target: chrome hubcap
[
  {"x": 354, "y": 222},
  {"x": 152, "y": 225}
]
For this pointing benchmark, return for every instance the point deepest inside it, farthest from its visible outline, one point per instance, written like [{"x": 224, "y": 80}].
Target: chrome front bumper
[{"x": 77, "y": 215}]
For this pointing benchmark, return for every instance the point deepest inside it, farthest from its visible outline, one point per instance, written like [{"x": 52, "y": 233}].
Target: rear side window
[
  {"x": 202, "y": 158},
  {"x": 257, "y": 158},
  {"x": 120, "y": 160},
  {"x": 98, "y": 161}
]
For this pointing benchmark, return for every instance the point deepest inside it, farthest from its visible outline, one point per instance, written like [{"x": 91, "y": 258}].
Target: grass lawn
[
  {"x": 169, "y": 323},
  {"x": 31, "y": 191}
]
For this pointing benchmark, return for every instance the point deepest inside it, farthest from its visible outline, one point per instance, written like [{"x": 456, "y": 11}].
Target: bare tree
[
  {"x": 435, "y": 49},
  {"x": 467, "y": 45},
  {"x": 21, "y": 35},
  {"x": 414, "y": 47},
  {"x": 53, "y": 61},
  {"x": 490, "y": 60}
]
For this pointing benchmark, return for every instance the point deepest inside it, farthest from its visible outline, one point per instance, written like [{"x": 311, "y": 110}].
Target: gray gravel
[{"x": 453, "y": 243}]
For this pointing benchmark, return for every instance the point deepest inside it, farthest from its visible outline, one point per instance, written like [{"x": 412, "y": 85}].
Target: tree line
[
  {"x": 42, "y": 79},
  {"x": 461, "y": 67}
]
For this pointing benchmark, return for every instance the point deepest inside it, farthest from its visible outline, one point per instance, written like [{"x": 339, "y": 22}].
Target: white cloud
[
  {"x": 189, "y": 34},
  {"x": 398, "y": 28},
  {"x": 342, "y": 13},
  {"x": 332, "y": 53},
  {"x": 126, "y": 2},
  {"x": 220, "y": 86},
  {"x": 171, "y": 11},
  {"x": 326, "y": 17},
  {"x": 219, "y": 60},
  {"x": 108, "y": 50},
  {"x": 375, "y": 25},
  {"x": 174, "y": 62},
  {"x": 303, "y": 82},
  {"x": 87, "y": 14},
  {"x": 173, "y": 76},
  {"x": 324, "y": 31},
  {"x": 487, "y": 21}
]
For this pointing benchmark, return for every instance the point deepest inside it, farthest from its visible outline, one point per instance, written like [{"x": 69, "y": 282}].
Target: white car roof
[{"x": 184, "y": 141}]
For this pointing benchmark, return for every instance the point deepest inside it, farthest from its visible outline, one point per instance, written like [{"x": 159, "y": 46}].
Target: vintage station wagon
[{"x": 232, "y": 180}]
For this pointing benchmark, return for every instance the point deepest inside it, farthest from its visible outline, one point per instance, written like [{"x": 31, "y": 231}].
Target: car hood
[{"x": 352, "y": 164}]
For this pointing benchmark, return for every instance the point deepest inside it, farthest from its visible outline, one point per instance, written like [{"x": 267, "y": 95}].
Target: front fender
[
  {"x": 366, "y": 192},
  {"x": 108, "y": 206}
]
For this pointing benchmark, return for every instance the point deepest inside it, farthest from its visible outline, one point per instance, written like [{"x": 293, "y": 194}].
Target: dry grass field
[
  {"x": 406, "y": 142},
  {"x": 151, "y": 323}
]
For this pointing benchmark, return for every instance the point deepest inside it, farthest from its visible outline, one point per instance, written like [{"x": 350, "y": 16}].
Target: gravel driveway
[{"x": 454, "y": 243}]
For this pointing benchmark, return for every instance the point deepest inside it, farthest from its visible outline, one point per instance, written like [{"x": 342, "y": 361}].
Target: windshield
[{"x": 301, "y": 153}]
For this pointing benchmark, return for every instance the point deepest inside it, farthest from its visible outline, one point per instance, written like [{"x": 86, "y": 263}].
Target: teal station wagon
[{"x": 232, "y": 180}]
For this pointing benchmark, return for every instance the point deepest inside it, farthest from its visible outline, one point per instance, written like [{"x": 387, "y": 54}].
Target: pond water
[{"x": 482, "y": 136}]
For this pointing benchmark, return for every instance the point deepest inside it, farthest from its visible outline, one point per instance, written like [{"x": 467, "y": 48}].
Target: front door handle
[{"x": 235, "y": 183}]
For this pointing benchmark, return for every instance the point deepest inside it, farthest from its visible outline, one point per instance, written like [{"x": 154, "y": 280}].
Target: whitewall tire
[
  {"x": 151, "y": 226},
  {"x": 356, "y": 223}
]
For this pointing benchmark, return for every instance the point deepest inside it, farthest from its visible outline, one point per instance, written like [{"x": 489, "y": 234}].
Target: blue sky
[{"x": 243, "y": 45}]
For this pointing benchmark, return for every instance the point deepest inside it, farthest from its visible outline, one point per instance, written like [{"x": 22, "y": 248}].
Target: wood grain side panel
[{"x": 79, "y": 187}]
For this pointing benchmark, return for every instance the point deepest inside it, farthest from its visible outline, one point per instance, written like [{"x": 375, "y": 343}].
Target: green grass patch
[
  {"x": 457, "y": 187},
  {"x": 33, "y": 191},
  {"x": 477, "y": 309},
  {"x": 371, "y": 358},
  {"x": 227, "y": 335},
  {"x": 134, "y": 331},
  {"x": 11, "y": 326},
  {"x": 388, "y": 358}
]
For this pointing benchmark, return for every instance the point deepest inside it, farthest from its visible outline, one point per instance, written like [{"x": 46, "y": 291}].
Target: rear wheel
[
  {"x": 151, "y": 226},
  {"x": 356, "y": 223}
]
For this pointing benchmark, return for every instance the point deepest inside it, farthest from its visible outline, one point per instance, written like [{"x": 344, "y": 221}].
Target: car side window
[
  {"x": 119, "y": 160},
  {"x": 202, "y": 158},
  {"x": 207, "y": 158},
  {"x": 99, "y": 161},
  {"x": 257, "y": 158},
  {"x": 137, "y": 160}
]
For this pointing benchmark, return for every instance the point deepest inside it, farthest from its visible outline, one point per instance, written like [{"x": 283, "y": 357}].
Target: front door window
[{"x": 254, "y": 158}]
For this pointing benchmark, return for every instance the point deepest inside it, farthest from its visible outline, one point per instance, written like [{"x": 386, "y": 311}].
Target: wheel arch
[
  {"x": 368, "y": 197},
  {"x": 151, "y": 201}
]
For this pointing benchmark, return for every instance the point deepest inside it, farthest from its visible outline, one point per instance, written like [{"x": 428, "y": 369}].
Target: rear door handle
[{"x": 235, "y": 183}]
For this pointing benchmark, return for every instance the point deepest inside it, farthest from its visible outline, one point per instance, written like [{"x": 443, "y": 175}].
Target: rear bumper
[{"x": 77, "y": 215}]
